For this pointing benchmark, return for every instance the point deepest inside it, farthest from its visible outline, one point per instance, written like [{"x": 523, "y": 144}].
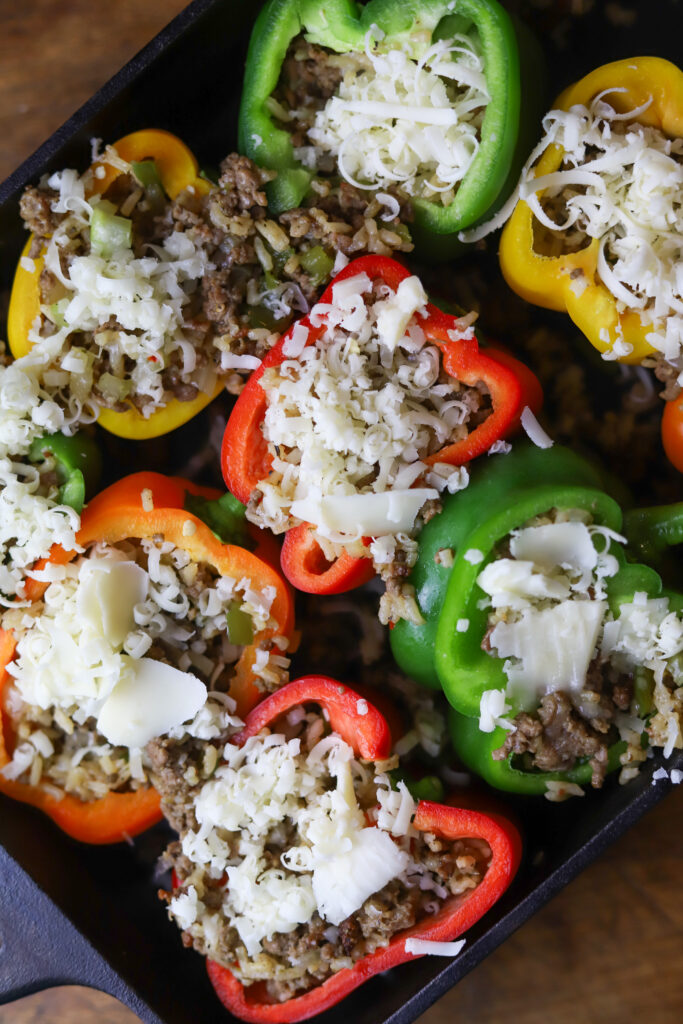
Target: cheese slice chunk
[
  {"x": 556, "y": 544},
  {"x": 107, "y": 594},
  {"x": 512, "y": 583},
  {"x": 553, "y": 648},
  {"x": 369, "y": 515},
  {"x": 342, "y": 882},
  {"x": 395, "y": 313},
  {"x": 149, "y": 699}
]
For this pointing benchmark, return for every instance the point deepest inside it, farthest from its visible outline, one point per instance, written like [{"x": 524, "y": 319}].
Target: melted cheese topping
[{"x": 412, "y": 123}]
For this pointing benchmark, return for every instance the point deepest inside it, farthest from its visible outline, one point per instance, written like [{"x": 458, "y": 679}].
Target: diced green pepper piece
[
  {"x": 147, "y": 173},
  {"x": 56, "y": 313},
  {"x": 643, "y": 691},
  {"x": 429, "y": 787},
  {"x": 108, "y": 231},
  {"x": 317, "y": 264},
  {"x": 240, "y": 626},
  {"x": 225, "y": 517}
]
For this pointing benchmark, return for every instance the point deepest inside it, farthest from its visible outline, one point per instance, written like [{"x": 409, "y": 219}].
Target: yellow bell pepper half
[
  {"x": 177, "y": 169},
  {"x": 547, "y": 280}
]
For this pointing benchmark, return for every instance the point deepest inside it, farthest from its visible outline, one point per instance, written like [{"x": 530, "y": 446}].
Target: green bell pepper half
[
  {"x": 503, "y": 495},
  {"x": 342, "y": 26},
  {"x": 78, "y": 465},
  {"x": 495, "y": 483}
]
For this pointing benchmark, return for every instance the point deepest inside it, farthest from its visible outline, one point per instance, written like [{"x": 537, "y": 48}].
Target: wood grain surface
[{"x": 608, "y": 948}]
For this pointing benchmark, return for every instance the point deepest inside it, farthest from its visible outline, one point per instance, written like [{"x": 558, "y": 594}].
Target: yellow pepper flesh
[
  {"x": 547, "y": 280},
  {"x": 177, "y": 169}
]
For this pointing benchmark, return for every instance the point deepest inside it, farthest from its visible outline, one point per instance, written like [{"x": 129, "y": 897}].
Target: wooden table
[{"x": 609, "y": 948}]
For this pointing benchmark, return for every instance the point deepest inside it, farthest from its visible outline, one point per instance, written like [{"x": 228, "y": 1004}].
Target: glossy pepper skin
[
  {"x": 114, "y": 515},
  {"x": 178, "y": 169},
  {"x": 546, "y": 280},
  {"x": 245, "y": 458},
  {"x": 368, "y": 734},
  {"x": 342, "y": 26},
  {"x": 502, "y": 496},
  {"x": 78, "y": 465}
]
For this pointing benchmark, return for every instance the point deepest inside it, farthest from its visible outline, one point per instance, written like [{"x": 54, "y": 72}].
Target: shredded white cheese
[
  {"x": 425, "y": 947},
  {"x": 399, "y": 121},
  {"x": 620, "y": 182}
]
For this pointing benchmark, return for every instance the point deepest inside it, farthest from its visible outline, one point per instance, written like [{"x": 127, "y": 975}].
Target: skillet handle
[{"x": 39, "y": 947}]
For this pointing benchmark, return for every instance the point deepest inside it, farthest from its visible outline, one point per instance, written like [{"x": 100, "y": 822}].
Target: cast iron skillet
[{"x": 70, "y": 914}]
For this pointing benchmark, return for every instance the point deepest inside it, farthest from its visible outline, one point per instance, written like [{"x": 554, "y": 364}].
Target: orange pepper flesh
[
  {"x": 114, "y": 515},
  {"x": 178, "y": 169}
]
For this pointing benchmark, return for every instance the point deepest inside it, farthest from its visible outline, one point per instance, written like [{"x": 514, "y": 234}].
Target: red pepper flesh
[{"x": 353, "y": 717}]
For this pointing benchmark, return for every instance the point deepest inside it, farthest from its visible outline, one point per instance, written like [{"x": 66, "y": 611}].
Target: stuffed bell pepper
[
  {"x": 300, "y": 872},
  {"x": 140, "y": 631},
  {"x": 560, "y": 658},
  {"x": 358, "y": 420},
  {"x": 421, "y": 104},
  {"x": 598, "y": 229}
]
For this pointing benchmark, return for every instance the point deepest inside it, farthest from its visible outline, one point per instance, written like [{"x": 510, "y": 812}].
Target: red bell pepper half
[
  {"x": 142, "y": 505},
  {"x": 369, "y": 736},
  {"x": 246, "y": 460}
]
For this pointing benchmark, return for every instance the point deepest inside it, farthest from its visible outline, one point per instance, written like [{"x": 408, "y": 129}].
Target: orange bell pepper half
[{"x": 143, "y": 505}]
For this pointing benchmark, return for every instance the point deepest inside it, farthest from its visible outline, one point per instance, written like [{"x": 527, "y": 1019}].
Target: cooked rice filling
[
  {"x": 107, "y": 616},
  {"x": 295, "y": 859}
]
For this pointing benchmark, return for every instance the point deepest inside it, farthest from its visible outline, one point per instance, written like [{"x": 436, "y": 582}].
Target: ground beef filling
[
  {"x": 294, "y": 962},
  {"x": 82, "y": 762},
  {"x": 563, "y": 731}
]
